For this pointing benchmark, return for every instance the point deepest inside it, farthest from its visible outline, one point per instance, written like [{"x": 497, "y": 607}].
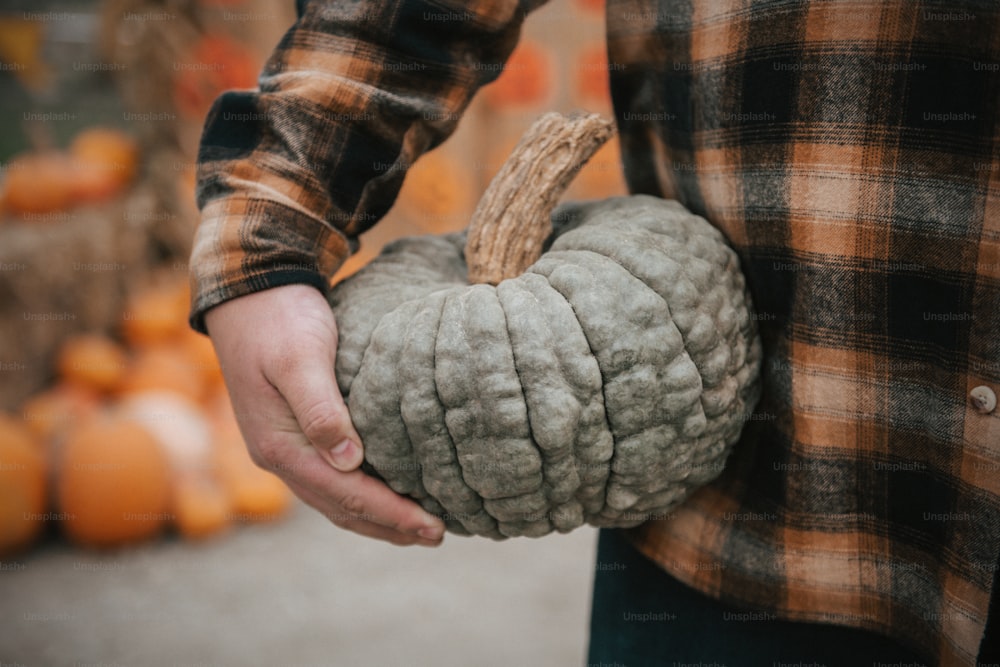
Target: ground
[{"x": 300, "y": 593}]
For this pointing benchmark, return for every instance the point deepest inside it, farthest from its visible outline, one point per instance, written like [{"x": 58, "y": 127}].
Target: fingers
[
  {"x": 319, "y": 409},
  {"x": 277, "y": 350},
  {"x": 355, "y": 497},
  {"x": 301, "y": 368},
  {"x": 355, "y": 523},
  {"x": 352, "y": 500}
]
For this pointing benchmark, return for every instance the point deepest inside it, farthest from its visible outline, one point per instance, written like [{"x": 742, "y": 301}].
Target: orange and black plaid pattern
[
  {"x": 851, "y": 153},
  {"x": 291, "y": 174}
]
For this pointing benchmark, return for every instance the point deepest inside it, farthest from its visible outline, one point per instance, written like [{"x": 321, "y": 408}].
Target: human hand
[{"x": 277, "y": 349}]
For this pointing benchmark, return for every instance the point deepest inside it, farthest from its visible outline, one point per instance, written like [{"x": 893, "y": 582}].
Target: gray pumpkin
[{"x": 603, "y": 384}]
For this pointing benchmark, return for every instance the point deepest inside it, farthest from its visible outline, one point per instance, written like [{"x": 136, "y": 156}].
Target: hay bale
[{"x": 64, "y": 273}]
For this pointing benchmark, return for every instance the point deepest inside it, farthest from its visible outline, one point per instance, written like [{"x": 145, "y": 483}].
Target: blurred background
[{"x": 134, "y": 530}]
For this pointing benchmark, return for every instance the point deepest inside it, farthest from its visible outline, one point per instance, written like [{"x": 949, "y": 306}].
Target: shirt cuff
[{"x": 248, "y": 245}]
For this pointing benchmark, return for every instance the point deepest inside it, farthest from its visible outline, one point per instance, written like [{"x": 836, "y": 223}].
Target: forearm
[{"x": 289, "y": 175}]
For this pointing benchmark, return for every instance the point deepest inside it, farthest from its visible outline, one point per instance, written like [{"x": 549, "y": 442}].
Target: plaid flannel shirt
[{"x": 849, "y": 151}]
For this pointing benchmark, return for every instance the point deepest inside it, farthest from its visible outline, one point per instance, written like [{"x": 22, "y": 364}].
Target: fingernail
[
  {"x": 430, "y": 533},
  {"x": 344, "y": 453}
]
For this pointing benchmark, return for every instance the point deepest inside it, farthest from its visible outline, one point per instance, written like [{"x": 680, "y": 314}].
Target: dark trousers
[{"x": 642, "y": 616}]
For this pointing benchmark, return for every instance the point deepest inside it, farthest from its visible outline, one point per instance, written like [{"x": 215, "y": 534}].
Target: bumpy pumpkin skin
[{"x": 606, "y": 383}]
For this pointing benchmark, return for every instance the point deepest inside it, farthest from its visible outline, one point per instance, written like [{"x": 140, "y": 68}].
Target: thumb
[{"x": 322, "y": 415}]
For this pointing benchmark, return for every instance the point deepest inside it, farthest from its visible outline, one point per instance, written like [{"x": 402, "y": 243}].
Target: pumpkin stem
[{"x": 513, "y": 218}]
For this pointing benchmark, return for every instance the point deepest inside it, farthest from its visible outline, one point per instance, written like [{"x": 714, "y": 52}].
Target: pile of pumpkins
[
  {"x": 98, "y": 165},
  {"x": 134, "y": 438}
]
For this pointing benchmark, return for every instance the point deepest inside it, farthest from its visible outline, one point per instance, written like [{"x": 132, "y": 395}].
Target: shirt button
[{"x": 983, "y": 399}]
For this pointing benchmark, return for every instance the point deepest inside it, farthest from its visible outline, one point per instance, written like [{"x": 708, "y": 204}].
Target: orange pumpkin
[
  {"x": 164, "y": 368},
  {"x": 155, "y": 313},
  {"x": 105, "y": 161},
  {"x": 201, "y": 506},
  {"x": 113, "y": 483},
  {"x": 52, "y": 412},
  {"x": 23, "y": 482},
  {"x": 527, "y": 78},
  {"x": 93, "y": 361},
  {"x": 254, "y": 494},
  {"x": 37, "y": 183}
]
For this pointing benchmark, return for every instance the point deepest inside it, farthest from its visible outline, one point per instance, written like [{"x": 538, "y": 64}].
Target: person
[{"x": 849, "y": 152}]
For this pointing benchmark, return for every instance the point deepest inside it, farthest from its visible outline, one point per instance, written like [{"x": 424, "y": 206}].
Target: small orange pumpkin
[
  {"x": 93, "y": 361},
  {"x": 105, "y": 162},
  {"x": 38, "y": 182},
  {"x": 52, "y": 412},
  {"x": 155, "y": 313},
  {"x": 164, "y": 368},
  {"x": 201, "y": 506},
  {"x": 254, "y": 494},
  {"x": 23, "y": 486}
]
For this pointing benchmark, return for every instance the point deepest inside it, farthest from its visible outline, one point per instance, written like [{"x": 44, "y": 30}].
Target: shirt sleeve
[{"x": 290, "y": 174}]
